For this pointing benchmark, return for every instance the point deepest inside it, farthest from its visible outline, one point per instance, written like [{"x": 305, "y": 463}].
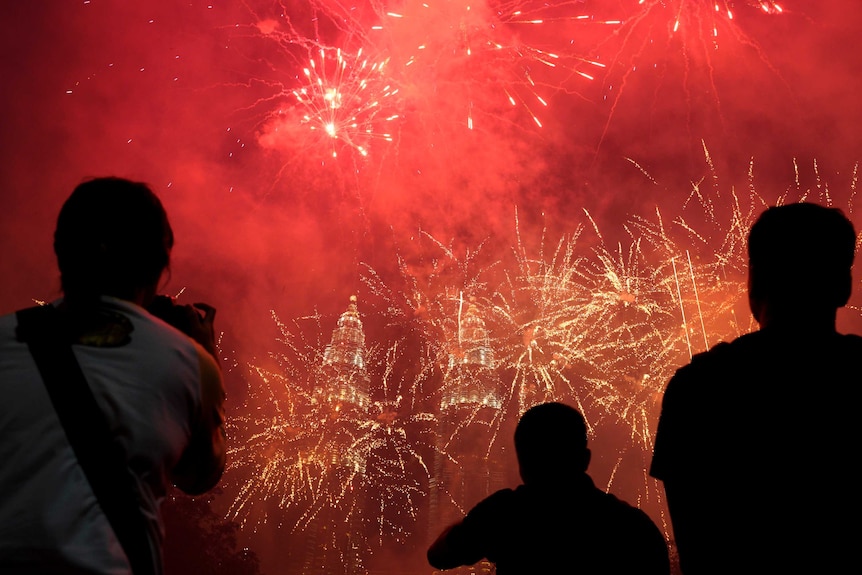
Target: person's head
[
  {"x": 551, "y": 443},
  {"x": 112, "y": 238},
  {"x": 799, "y": 260}
]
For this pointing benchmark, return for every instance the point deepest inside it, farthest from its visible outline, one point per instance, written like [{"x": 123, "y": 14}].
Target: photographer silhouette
[{"x": 106, "y": 405}]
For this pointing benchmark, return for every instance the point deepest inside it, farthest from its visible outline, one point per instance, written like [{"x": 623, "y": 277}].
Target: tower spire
[{"x": 344, "y": 359}]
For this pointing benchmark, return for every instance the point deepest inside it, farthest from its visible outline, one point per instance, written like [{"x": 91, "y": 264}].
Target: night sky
[{"x": 199, "y": 99}]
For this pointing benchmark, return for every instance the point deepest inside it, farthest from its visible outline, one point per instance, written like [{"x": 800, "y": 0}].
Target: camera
[{"x": 166, "y": 309}]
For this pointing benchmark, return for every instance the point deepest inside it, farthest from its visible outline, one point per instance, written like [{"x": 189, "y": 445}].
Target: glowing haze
[{"x": 530, "y": 201}]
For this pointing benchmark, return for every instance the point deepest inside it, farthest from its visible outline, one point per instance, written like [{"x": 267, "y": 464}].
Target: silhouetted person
[
  {"x": 160, "y": 391},
  {"x": 758, "y": 438},
  {"x": 557, "y": 521}
]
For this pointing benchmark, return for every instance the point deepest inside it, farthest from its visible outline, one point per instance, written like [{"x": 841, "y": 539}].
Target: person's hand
[
  {"x": 199, "y": 325},
  {"x": 194, "y": 320}
]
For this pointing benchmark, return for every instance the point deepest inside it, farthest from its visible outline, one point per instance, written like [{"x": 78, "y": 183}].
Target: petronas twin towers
[{"x": 345, "y": 355}]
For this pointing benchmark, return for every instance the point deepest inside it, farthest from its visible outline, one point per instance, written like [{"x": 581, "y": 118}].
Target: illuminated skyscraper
[
  {"x": 343, "y": 367},
  {"x": 335, "y": 545},
  {"x": 467, "y": 466},
  {"x": 473, "y": 338},
  {"x": 469, "y": 362}
]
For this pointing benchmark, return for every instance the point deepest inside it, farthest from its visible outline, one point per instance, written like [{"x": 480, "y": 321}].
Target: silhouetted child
[
  {"x": 557, "y": 521},
  {"x": 758, "y": 438}
]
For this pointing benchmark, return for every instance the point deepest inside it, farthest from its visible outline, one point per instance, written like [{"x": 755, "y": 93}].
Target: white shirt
[{"x": 150, "y": 390}]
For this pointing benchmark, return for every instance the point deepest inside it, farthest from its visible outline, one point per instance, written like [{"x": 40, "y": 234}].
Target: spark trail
[
  {"x": 663, "y": 35},
  {"x": 599, "y": 324},
  {"x": 479, "y": 54},
  {"x": 335, "y": 79},
  {"x": 325, "y": 96},
  {"x": 346, "y": 104},
  {"x": 318, "y": 451}
]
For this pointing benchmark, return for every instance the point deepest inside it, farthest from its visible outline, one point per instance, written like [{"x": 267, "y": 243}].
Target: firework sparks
[
  {"x": 345, "y": 101},
  {"x": 278, "y": 463},
  {"x": 684, "y": 34},
  {"x": 602, "y": 330},
  {"x": 346, "y": 104},
  {"x": 318, "y": 451},
  {"x": 705, "y": 12},
  {"x": 470, "y": 49},
  {"x": 599, "y": 325},
  {"x": 322, "y": 86}
]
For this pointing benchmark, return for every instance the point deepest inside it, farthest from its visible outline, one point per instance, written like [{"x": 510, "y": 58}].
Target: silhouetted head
[
  {"x": 112, "y": 238},
  {"x": 551, "y": 443},
  {"x": 799, "y": 260}
]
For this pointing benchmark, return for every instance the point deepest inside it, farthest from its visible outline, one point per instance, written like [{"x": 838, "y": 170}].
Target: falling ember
[
  {"x": 347, "y": 434},
  {"x": 319, "y": 452},
  {"x": 687, "y": 33},
  {"x": 704, "y": 12},
  {"x": 467, "y": 46},
  {"x": 354, "y": 99},
  {"x": 449, "y": 162}
]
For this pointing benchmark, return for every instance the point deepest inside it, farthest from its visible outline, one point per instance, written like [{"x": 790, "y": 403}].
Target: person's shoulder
[
  {"x": 722, "y": 357},
  {"x": 725, "y": 352},
  {"x": 851, "y": 340},
  {"x": 157, "y": 330},
  {"x": 622, "y": 506},
  {"x": 631, "y": 531},
  {"x": 8, "y": 331},
  {"x": 621, "y": 514},
  {"x": 503, "y": 497},
  {"x": 494, "y": 509},
  {"x": 845, "y": 351}
]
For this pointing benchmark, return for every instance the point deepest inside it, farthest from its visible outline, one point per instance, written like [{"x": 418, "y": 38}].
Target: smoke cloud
[{"x": 486, "y": 136}]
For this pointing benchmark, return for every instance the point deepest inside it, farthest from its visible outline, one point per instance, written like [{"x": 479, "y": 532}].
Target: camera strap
[{"x": 99, "y": 455}]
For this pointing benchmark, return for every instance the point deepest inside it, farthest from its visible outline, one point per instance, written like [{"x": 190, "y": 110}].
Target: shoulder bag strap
[{"x": 101, "y": 457}]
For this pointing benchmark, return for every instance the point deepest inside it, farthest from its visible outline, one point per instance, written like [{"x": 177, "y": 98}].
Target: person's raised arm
[
  {"x": 448, "y": 551},
  {"x": 203, "y": 461}
]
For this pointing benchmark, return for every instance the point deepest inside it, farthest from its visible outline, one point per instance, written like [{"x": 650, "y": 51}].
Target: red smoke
[{"x": 197, "y": 99}]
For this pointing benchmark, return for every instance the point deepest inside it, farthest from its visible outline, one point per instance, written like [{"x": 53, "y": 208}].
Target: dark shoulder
[
  {"x": 726, "y": 352},
  {"x": 721, "y": 358},
  {"x": 851, "y": 340},
  {"x": 506, "y": 494},
  {"x": 753, "y": 347},
  {"x": 625, "y": 527},
  {"x": 635, "y": 543},
  {"x": 501, "y": 501},
  {"x": 613, "y": 505}
]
